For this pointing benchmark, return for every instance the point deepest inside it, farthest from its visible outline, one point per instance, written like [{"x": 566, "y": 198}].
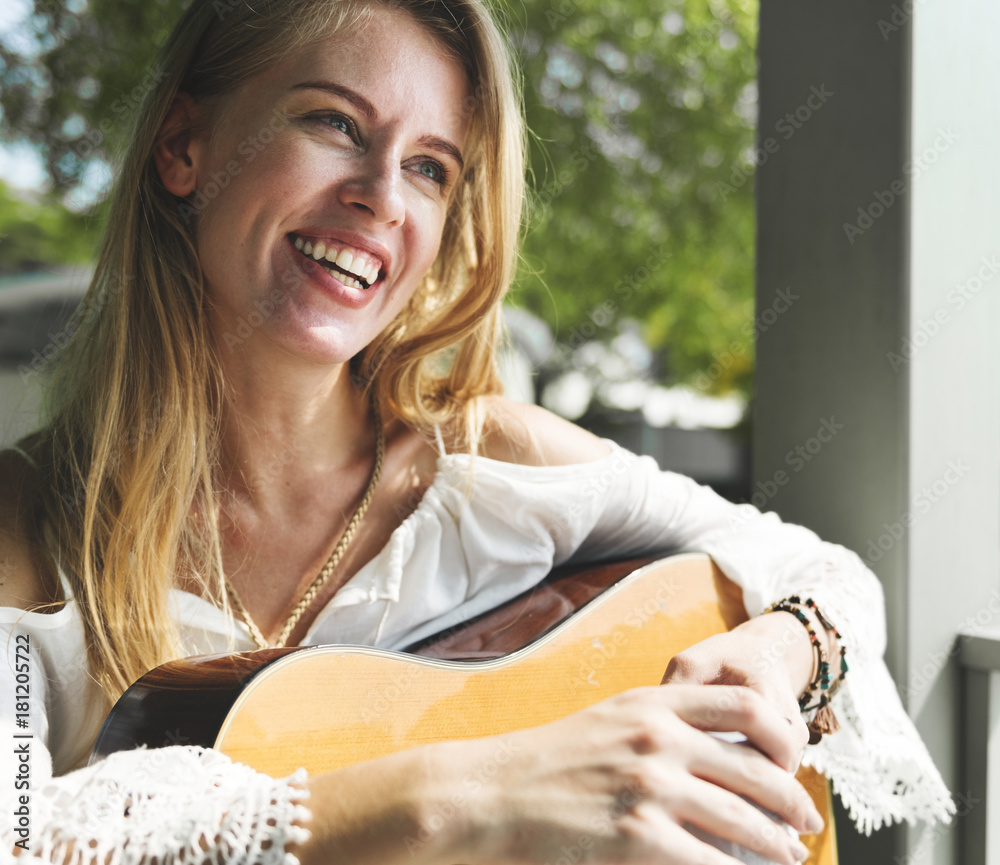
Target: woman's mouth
[{"x": 353, "y": 267}]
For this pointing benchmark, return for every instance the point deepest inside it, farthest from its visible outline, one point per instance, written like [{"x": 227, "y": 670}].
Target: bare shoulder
[
  {"x": 531, "y": 435},
  {"x": 26, "y": 580}
]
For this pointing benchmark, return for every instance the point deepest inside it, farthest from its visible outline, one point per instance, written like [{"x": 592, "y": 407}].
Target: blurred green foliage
[
  {"x": 34, "y": 235},
  {"x": 643, "y": 124}
]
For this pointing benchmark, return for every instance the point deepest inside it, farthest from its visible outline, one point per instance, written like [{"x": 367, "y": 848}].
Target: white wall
[{"x": 909, "y": 80}]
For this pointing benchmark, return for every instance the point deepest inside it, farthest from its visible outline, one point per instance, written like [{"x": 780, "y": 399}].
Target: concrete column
[{"x": 877, "y": 212}]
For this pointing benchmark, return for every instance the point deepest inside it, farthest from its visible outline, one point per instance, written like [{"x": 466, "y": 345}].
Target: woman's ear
[{"x": 179, "y": 146}]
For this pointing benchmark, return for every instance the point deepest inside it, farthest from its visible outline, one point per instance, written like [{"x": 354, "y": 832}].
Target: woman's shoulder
[
  {"x": 26, "y": 575},
  {"x": 530, "y": 435}
]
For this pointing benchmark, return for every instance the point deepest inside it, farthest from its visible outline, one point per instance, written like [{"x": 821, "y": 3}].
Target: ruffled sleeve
[
  {"x": 877, "y": 762},
  {"x": 173, "y": 805}
]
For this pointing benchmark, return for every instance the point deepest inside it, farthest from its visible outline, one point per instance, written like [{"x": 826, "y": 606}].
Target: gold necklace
[{"x": 331, "y": 563}]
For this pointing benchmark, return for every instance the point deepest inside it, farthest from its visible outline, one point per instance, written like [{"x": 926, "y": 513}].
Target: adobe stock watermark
[
  {"x": 473, "y": 783},
  {"x": 776, "y": 651},
  {"x": 263, "y": 309},
  {"x": 751, "y": 330},
  {"x": 579, "y": 161},
  {"x": 560, "y": 12},
  {"x": 87, "y": 144},
  {"x": 604, "y": 314},
  {"x": 248, "y": 149},
  {"x": 959, "y": 297},
  {"x": 922, "y": 678},
  {"x": 601, "y": 651},
  {"x": 924, "y": 851},
  {"x": 902, "y": 14},
  {"x": 261, "y": 312},
  {"x": 602, "y": 826},
  {"x": 785, "y": 127},
  {"x": 921, "y": 504},
  {"x": 593, "y": 490},
  {"x": 83, "y": 316},
  {"x": 797, "y": 458},
  {"x": 884, "y": 199}
]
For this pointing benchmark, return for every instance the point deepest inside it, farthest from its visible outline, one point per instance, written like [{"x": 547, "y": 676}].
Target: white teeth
[
  {"x": 345, "y": 259},
  {"x": 347, "y": 280}
]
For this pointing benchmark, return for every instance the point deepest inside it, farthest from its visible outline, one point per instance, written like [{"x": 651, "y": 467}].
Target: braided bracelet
[{"x": 824, "y": 721}]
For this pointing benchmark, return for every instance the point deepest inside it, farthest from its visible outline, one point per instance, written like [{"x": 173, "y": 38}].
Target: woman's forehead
[{"x": 390, "y": 60}]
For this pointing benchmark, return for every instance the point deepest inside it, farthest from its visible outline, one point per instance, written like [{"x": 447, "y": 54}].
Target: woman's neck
[{"x": 285, "y": 430}]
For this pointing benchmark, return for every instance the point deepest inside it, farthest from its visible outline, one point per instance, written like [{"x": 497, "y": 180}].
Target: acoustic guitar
[{"x": 580, "y": 636}]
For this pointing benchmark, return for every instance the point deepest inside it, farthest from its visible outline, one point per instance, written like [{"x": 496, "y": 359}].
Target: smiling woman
[
  {"x": 279, "y": 422},
  {"x": 366, "y": 129}
]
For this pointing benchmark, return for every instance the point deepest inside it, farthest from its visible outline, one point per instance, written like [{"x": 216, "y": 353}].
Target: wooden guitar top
[{"x": 532, "y": 661}]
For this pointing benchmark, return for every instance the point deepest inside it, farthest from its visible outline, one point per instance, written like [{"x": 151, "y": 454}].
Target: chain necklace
[{"x": 331, "y": 563}]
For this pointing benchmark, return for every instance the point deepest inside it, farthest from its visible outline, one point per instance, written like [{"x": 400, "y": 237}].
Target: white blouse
[{"x": 484, "y": 532}]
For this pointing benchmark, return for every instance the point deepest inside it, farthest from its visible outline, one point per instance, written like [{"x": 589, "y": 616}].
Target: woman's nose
[{"x": 376, "y": 187}]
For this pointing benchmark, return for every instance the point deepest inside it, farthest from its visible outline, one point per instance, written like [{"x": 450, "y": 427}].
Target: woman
[{"x": 279, "y": 423}]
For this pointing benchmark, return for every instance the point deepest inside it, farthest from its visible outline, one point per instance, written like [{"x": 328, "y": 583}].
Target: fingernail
[
  {"x": 814, "y": 822},
  {"x": 799, "y": 850}
]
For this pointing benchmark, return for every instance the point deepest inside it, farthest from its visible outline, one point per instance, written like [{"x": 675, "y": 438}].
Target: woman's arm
[
  {"x": 617, "y": 779},
  {"x": 782, "y": 664},
  {"x": 626, "y": 505},
  {"x": 621, "y": 778},
  {"x": 616, "y": 782}
]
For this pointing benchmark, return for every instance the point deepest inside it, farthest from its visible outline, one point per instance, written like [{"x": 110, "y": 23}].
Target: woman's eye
[
  {"x": 338, "y": 122},
  {"x": 433, "y": 171}
]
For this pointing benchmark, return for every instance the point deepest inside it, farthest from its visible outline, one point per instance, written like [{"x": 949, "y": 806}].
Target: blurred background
[{"x": 633, "y": 312}]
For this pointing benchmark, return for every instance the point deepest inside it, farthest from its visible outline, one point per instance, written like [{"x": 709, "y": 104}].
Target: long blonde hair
[{"x": 130, "y": 443}]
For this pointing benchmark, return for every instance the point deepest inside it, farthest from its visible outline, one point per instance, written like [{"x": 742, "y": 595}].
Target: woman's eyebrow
[
  {"x": 442, "y": 145},
  {"x": 352, "y": 96},
  {"x": 371, "y": 113}
]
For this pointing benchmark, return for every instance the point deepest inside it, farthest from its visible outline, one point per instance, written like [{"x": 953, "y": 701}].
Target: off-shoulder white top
[{"x": 483, "y": 532}]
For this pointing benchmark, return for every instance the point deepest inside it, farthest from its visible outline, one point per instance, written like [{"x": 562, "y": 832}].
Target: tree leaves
[
  {"x": 640, "y": 113},
  {"x": 643, "y": 118}
]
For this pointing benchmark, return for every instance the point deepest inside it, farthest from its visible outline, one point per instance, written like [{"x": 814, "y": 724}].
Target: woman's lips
[
  {"x": 351, "y": 293},
  {"x": 354, "y": 267}
]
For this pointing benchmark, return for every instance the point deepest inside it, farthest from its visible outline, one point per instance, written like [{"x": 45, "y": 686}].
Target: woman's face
[{"x": 348, "y": 152}]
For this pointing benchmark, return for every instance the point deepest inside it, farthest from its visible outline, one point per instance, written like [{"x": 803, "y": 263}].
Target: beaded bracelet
[{"x": 824, "y": 721}]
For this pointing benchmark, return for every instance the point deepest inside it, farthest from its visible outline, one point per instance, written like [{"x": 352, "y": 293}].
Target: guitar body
[{"x": 531, "y": 661}]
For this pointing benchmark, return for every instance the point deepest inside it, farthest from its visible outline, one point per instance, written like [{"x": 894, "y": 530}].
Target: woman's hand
[
  {"x": 618, "y": 782},
  {"x": 770, "y": 654}
]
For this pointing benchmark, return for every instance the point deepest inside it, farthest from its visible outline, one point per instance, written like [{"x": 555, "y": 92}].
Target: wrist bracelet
[{"x": 824, "y": 721}]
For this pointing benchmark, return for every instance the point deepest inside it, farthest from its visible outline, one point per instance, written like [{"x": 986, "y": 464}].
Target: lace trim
[
  {"x": 877, "y": 763},
  {"x": 165, "y": 807},
  {"x": 880, "y": 768}
]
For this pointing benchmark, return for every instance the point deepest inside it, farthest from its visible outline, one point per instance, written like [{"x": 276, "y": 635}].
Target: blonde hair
[{"x": 130, "y": 445}]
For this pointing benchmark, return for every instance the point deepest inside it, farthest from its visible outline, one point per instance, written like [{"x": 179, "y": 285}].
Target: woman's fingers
[
  {"x": 745, "y": 771},
  {"x": 719, "y": 813},
  {"x": 669, "y": 843},
  {"x": 727, "y": 708},
  {"x": 630, "y": 778}
]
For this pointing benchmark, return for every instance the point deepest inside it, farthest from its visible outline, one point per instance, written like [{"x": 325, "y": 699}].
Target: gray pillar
[{"x": 877, "y": 212}]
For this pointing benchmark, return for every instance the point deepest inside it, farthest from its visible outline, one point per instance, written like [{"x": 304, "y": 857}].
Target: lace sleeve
[
  {"x": 877, "y": 763},
  {"x": 173, "y": 805}
]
